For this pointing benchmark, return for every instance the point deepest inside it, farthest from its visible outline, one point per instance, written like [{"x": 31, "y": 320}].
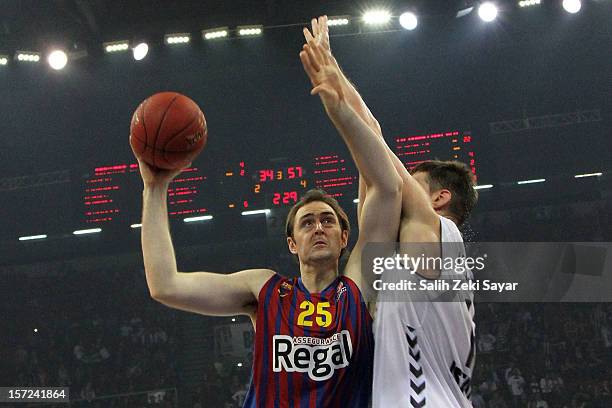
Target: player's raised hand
[
  {"x": 320, "y": 30},
  {"x": 153, "y": 176},
  {"x": 323, "y": 73}
]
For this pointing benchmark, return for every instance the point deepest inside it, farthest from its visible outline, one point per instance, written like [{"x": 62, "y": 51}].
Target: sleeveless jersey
[
  {"x": 311, "y": 350},
  {"x": 425, "y": 350}
]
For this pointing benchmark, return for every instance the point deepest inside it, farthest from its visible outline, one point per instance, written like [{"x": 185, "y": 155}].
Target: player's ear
[
  {"x": 344, "y": 238},
  {"x": 442, "y": 198},
  {"x": 292, "y": 246}
]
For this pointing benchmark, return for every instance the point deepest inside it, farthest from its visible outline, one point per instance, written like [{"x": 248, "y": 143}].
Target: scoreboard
[
  {"x": 113, "y": 193},
  {"x": 449, "y": 145}
]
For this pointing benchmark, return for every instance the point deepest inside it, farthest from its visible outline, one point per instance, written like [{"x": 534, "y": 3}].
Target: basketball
[{"x": 168, "y": 131}]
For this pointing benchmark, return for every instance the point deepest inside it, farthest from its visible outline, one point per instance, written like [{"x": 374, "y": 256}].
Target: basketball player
[
  {"x": 424, "y": 353},
  {"x": 314, "y": 341}
]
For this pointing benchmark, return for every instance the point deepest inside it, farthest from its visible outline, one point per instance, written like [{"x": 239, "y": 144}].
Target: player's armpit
[
  {"x": 426, "y": 232},
  {"x": 380, "y": 220},
  {"x": 216, "y": 294}
]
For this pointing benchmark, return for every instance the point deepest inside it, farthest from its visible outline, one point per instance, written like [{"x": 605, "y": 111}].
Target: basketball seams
[
  {"x": 161, "y": 123},
  {"x": 197, "y": 116},
  {"x": 195, "y": 119}
]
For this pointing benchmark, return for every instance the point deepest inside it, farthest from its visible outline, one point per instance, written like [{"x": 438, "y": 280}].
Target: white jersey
[{"x": 424, "y": 351}]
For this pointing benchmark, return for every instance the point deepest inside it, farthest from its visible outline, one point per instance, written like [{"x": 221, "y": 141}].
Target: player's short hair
[
  {"x": 317, "y": 195},
  {"x": 455, "y": 177}
]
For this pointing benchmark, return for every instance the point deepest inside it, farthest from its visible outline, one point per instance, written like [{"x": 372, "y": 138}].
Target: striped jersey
[
  {"x": 312, "y": 350},
  {"x": 425, "y": 350}
]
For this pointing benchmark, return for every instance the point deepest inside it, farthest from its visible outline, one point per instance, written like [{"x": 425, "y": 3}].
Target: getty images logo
[{"x": 315, "y": 356}]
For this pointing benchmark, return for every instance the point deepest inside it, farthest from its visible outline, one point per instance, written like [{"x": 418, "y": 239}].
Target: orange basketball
[{"x": 168, "y": 131}]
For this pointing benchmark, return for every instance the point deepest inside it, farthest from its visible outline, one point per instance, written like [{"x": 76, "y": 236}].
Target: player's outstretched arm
[
  {"x": 200, "y": 292},
  {"x": 381, "y": 207},
  {"x": 415, "y": 205}
]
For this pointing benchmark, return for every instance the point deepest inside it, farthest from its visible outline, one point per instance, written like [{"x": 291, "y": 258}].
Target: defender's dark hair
[{"x": 455, "y": 177}]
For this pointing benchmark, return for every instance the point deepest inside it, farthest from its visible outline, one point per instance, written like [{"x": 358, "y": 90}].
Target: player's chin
[{"x": 322, "y": 254}]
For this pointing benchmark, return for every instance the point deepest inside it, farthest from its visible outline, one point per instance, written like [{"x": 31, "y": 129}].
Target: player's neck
[{"x": 317, "y": 278}]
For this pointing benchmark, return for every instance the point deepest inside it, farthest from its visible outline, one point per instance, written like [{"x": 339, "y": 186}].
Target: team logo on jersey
[
  {"x": 319, "y": 357},
  {"x": 284, "y": 289},
  {"x": 341, "y": 289}
]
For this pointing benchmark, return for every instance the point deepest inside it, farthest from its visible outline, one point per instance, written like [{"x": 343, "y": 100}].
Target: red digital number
[
  {"x": 276, "y": 198},
  {"x": 293, "y": 170},
  {"x": 266, "y": 174}
]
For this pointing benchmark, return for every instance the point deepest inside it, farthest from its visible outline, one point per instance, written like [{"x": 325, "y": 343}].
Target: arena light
[
  {"x": 4, "y": 59},
  {"x": 140, "y": 51},
  {"x": 531, "y": 181},
  {"x": 376, "y": 17},
  {"x": 572, "y": 6},
  {"x": 57, "y": 60},
  {"x": 487, "y": 12},
  {"x": 528, "y": 3},
  {"x": 33, "y": 237},
  {"x": 254, "y": 212},
  {"x": 588, "y": 175},
  {"x": 250, "y": 30},
  {"x": 356, "y": 201},
  {"x": 200, "y": 218},
  {"x": 116, "y": 46},
  {"x": 87, "y": 231},
  {"x": 177, "y": 38},
  {"x": 464, "y": 11},
  {"x": 27, "y": 56},
  {"x": 135, "y": 226},
  {"x": 408, "y": 20},
  {"x": 215, "y": 33},
  {"x": 338, "y": 21},
  {"x": 239, "y": 365},
  {"x": 483, "y": 187}
]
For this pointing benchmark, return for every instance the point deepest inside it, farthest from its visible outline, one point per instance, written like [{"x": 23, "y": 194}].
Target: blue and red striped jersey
[{"x": 312, "y": 350}]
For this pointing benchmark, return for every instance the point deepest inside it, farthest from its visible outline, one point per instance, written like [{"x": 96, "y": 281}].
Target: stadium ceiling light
[
  {"x": 116, "y": 46},
  {"x": 338, "y": 21},
  {"x": 487, "y": 12},
  {"x": 33, "y": 237},
  {"x": 572, "y": 6},
  {"x": 483, "y": 187},
  {"x": 57, "y": 59},
  {"x": 215, "y": 33},
  {"x": 531, "y": 181},
  {"x": 135, "y": 226},
  {"x": 140, "y": 51},
  {"x": 177, "y": 38},
  {"x": 588, "y": 175},
  {"x": 250, "y": 30},
  {"x": 201, "y": 218},
  {"x": 356, "y": 201},
  {"x": 408, "y": 20},
  {"x": 528, "y": 3},
  {"x": 27, "y": 56},
  {"x": 4, "y": 59},
  {"x": 376, "y": 17},
  {"x": 254, "y": 212},
  {"x": 87, "y": 231},
  {"x": 464, "y": 11}
]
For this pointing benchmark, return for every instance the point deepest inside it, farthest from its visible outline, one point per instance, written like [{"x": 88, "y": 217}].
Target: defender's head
[
  {"x": 450, "y": 185},
  {"x": 317, "y": 228}
]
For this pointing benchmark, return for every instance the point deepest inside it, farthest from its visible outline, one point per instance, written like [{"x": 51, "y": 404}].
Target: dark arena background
[{"x": 524, "y": 100}]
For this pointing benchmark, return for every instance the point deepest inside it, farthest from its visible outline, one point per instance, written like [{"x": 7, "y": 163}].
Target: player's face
[{"x": 317, "y": 233}]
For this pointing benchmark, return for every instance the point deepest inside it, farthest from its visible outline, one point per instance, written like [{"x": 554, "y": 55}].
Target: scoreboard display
[
  {"x": 112, "y": 193},
  {"x": 449, "y": 145}
]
